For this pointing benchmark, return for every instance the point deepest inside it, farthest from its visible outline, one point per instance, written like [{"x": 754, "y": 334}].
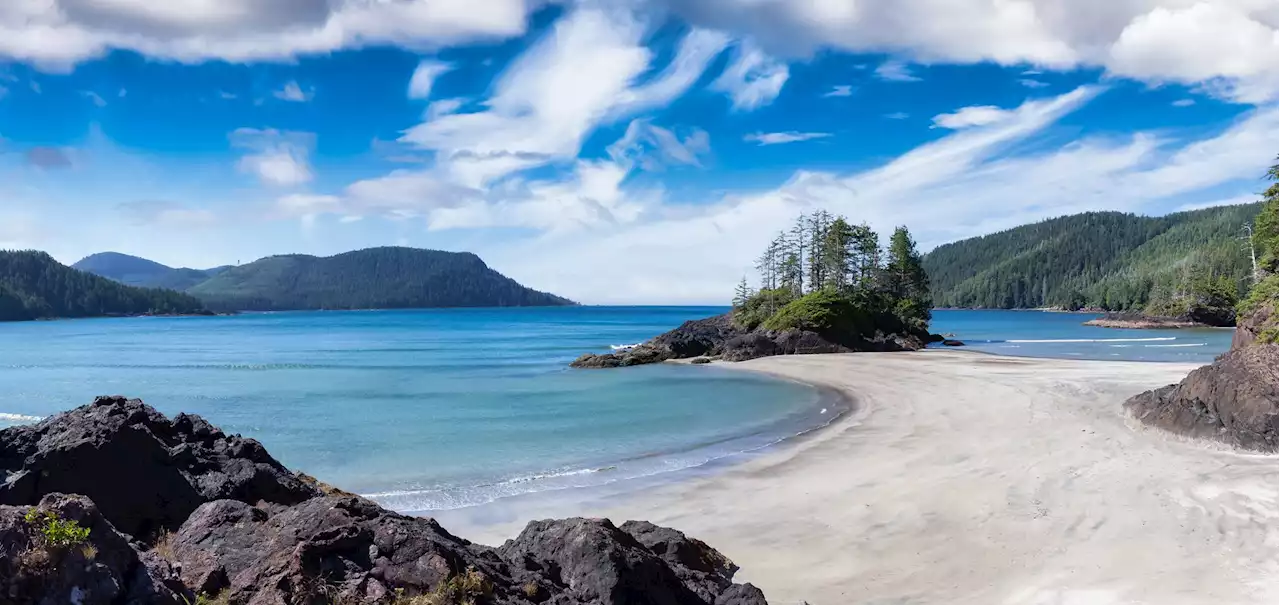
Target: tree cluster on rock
[{"x": 112, "y": 503}]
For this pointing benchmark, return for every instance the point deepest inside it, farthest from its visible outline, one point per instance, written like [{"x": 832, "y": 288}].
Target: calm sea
[{"x": 441, "y": 409}]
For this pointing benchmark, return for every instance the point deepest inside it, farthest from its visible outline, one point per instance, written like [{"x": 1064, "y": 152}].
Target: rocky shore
[
  {"x": 719, "y": 337},
  {"x": 1147, "y": 322},
  {"x": 113, "y": 503},
  {"x": 1234, "y": 400}
]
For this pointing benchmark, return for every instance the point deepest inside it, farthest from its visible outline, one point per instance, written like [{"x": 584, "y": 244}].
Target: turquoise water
[
  {"x": 432, "y": 410},
  {"x": 426, "y": 410},
  {"x": 1039, "y": 334}
]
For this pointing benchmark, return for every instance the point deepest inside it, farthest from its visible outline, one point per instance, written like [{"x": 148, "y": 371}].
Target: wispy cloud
[
  {"x": 94, "y": 97},
  {"x": 839, "y": 91},
  {"x": 753, "y": 79},
  {"x": 293, "y": 93},
  {"x": 278, "y": 159},
  {"x": 896, "y": 71},
  {"x": 778, "y": 138},
  {"x": 965, "y": 117},
  {"x": 424, "y": 77},
  {"x": 897, "y": 115},
  {"x": 1031, "y": 83},
  {"x": 1184, "y": 103}
]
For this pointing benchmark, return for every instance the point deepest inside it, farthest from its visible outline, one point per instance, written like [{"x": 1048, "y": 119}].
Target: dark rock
[
  {"x": 700, "y": 360},
  {"x": 1253, "y": 324},
  {"x": 146, "y": 473},
  {"x": 591, "y": 360},
  {"x": 935, "y": 338},
  {"x": 698, "y": 337},
  {"x": 275, "y": 538},
  {"x": 596, "y": 562},
  {"x": 331, "y": 545},
  {"x": 947, "y": 342},
  {"x": 749, "y": 346},
  {"x": 1233, "y": 400},
  {"x": 104, "y": 570}
]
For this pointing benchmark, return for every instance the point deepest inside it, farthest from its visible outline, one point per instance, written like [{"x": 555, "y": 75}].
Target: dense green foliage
[
  {"x": 1267, "y": 290},
  {"x": 375, "y": 278},
  {"x": 1106, "y": 260},
  {"x": 134, "y": 271},
  {"x": 34, "y": 286},
  {"x": 830, "y": 277}
]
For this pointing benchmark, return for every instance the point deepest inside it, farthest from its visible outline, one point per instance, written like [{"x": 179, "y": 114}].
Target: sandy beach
[{"x": 970, "y": 478}]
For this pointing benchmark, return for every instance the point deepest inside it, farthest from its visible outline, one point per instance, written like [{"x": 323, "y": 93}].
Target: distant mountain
[
  {"x": 35, "y": 286},
  {"x": 374, "y": 278},
  {"x": 1107, "y": 260},
  {"x": 134, "y": 271}
]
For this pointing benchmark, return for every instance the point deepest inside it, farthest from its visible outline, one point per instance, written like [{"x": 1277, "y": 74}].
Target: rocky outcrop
[
  {"x": 146, "y": 473},
  {"x": 720, "y": 337},
  {"x": 1139, "y": 321},
  {"x": 217, "y": 515},
  {"x": 1232, "y": 401},
  {"x": 103, "y": 569}
]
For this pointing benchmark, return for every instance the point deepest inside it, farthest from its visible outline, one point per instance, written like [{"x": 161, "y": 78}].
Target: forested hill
[
  {"x": 135, "y": 271},
  {"x": 35, "y": 286},
  {"x": 1107, "y": 260},
  {"x": 375, "y": 278}
]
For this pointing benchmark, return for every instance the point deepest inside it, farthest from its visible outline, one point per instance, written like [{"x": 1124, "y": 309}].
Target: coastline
[{"x": 967, "y": 478}]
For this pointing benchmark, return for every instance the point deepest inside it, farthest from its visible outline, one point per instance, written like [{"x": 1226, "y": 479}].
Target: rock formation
[
  {"x": 720, "y": 337},
  {"x": 1233, "y": 400},
  {"x": 176, "y": 509}
]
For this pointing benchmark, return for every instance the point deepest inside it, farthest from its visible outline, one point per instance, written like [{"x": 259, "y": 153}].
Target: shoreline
[{"x": 971, "y": 477}]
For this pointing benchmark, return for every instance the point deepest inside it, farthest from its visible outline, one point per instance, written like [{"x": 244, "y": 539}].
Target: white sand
[{"x": 966, "y": 478}]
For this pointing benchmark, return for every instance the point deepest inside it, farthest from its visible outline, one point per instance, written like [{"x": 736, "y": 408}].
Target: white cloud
[
  {"x": 59, "y": 33},
  {"x": 443, "y": 107},
  {"x": 839, "y": 91},
  {"x": 277, "y": 158},
  {"x": 424, "y": 76},
  {"x": 896, "y": 71},
  {"x": 294, "y": 93},
  {"x": 95, "y": 98},
  {"x": 1184, "y": 103},
  {"x": 777, "y": 138},
  {"x": 1031, "y": 83},
  {"x": 962, "y": 185},
  {"x": 1230, "y": 201},
  {"x": 167, "y": 214},
  {"x": 753, "y": 79},
  {"x": 651, "y": 147},
  {"x": 897, "y": 115},
  {"x": 977, "y": 115},
  {"x": 1231, "y": 44}
]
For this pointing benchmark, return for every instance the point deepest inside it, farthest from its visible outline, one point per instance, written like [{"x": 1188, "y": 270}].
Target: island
[{"x": 826, "y": 286}]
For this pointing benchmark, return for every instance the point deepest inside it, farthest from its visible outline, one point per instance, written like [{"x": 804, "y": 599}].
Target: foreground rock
[
  {"x": 103, "y": 569},
  {"x": 146, "y": 473},
  {"x": 1139, "y": 321},
  {"x": 719, "y": 337},
  {"x": 1232, "y": 401},
  {"x": 217, "y": 515}
]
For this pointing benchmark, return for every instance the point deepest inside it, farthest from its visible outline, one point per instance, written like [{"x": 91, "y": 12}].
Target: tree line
[{"x": 35, "y": 286}]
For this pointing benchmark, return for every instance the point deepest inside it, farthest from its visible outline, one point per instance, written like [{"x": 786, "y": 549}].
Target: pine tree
[
  {"x": 905, "y": 278},
  {"x": 741, "y": 294}
]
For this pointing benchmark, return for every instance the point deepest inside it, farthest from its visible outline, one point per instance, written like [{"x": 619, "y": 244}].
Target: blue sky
[{"x": 620, "y": 152}]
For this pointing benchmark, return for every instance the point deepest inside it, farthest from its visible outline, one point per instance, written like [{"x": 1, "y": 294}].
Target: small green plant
[
  {"x": 467, "y": 588},
  {"x": 223, "y": 598},
  {"x": 56, "y": 533}
]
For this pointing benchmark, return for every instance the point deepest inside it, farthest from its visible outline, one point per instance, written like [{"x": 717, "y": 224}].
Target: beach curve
[{"x": 968, "y": 478}]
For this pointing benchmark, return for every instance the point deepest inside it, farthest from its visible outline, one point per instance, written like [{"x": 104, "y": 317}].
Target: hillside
[
  {"x": 1107, "y": 260},
  {"x": 35, "y": 286},
  {"x": 374, "y": 278},
  {"x": 135, "y": 271}
]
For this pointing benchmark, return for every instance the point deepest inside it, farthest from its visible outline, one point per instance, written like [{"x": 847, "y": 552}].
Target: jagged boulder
[
  {"x": 1233, "y": 400},
  {"x": 146, "y": 473},
  {"x": 593, "y": 561},
  {"x": 42, "y": 564}
]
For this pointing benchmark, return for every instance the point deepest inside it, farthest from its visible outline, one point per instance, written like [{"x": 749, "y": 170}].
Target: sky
[{"x": 619, "y": 152}]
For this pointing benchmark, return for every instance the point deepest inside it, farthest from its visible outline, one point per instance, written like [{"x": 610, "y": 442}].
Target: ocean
[{"x": 434, "y": 410}]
